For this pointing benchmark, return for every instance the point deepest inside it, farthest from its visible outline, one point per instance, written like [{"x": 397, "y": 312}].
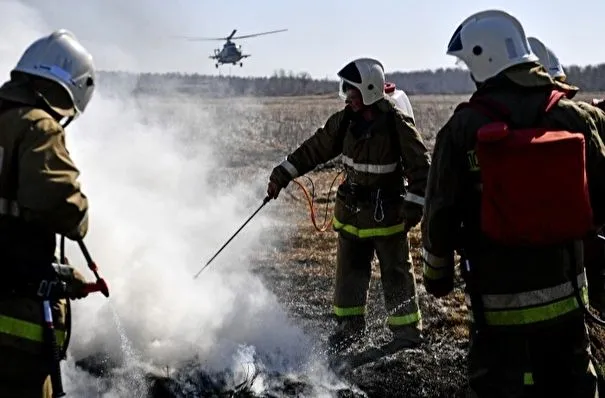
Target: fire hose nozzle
[{"x": 100, "y": 285}]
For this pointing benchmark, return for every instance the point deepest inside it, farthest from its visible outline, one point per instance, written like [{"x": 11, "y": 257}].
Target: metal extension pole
[{"x": 265, "y": 201}]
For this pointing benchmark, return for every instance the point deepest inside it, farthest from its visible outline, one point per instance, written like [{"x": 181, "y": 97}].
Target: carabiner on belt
[{"x": 378, "y": 210}]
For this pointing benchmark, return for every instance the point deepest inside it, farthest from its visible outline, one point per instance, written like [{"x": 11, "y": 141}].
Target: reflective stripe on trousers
[
  {"x": 393, "y": 320},
  {"x": 533, "y": 306},
  {"x": 402, "y": 320},
  {"x": 27, "y": 330},
  {"x": 367, "y": 232}
]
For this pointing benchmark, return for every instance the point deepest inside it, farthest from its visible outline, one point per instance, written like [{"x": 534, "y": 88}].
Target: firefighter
[
  {"x": 548, "y": 59},
  {"x": 528, "y": 335},
  {"x": 49, "y": 87},
  {"x": 380, "y": 146},
  {"x": 594, "y": 247}
]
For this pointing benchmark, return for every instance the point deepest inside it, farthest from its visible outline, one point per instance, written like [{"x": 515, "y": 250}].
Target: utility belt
[
  {"x": 52, "y": 289},
  {"x": 354, "y": 193},
  {"x": 356, "y": 197},
  {"x": 41, "y": 283}
]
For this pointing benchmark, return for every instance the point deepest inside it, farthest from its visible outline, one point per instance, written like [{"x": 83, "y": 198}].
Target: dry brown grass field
[{"x": 255, "y": 134}]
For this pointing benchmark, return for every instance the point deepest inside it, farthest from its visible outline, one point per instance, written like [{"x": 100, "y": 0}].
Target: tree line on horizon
[{"x": 283, "y": 83}]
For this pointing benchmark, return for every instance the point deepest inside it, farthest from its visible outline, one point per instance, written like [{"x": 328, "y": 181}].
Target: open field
[
  {"x": 252, "y": 135},
  {"x": 301, "y": 272}
]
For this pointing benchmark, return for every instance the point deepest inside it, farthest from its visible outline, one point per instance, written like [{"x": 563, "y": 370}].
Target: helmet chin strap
[
  {"x": 478, "y": 85},
  {"x": 66, "y": 121}
]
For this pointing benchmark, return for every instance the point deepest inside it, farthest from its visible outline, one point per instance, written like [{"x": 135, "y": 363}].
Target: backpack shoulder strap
[
  {"x": 486, "y": 106},
  {"x": 497, "y": 111},
  {"x": 555, "y": 96}
]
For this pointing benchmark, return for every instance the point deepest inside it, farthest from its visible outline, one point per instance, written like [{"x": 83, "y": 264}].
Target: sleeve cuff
[
  {"x": 289, "y": 168},
  {"x": 413, "y": 198},
  {"x": 435, "y": 267}
]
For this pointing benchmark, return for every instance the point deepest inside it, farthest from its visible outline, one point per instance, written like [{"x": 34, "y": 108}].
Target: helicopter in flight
[{"x": 231, "y": 53}]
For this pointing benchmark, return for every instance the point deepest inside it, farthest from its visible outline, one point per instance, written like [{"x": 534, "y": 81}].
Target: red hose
[{"x": 327, "y": 221}]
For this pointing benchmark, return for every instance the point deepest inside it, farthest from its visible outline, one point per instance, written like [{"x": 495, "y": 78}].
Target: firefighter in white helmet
[
  {"x": 40, "y": 196},
  {"x": 380, "y": 148},
  {"x": 528, "y": 335},
  {"x": 548, "y": 59}
]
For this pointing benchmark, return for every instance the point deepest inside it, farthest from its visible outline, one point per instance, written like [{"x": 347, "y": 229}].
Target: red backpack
[{"x": 534, "y": 185}]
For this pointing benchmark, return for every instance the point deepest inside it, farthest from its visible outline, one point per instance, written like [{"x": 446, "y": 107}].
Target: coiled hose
[{"x": 311, "y": 202}]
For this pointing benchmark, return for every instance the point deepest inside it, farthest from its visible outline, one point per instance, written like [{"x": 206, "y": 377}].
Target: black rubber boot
[
  {"x": 405, "y": 337},
  {"x": 348, "y": 330}
]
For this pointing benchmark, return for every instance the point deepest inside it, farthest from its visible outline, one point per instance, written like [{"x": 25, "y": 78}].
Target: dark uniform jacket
[
  {"x": 517, "y": 286},
  {"x": 39, "y": 192},
  {"x": 39, "y": 197},
  {"x": 377, "y": 155}
]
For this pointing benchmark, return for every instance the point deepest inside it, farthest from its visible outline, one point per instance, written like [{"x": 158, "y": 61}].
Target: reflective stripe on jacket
[
  {"x": 22, "y": 324},
  {"x": 532, "y": 306},
  {"x": 376, "y": 155}
]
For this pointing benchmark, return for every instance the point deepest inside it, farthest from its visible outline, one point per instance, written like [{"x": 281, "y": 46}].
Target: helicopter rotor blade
[
  {"x": 258, "y": 34},
  {"x": 230, "y": 37},
  {"x": 195, "y": 38}
]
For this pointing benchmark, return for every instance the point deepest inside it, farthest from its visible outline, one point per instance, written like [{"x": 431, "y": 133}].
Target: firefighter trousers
[
  {"x": 554, "y": 361},
  {"x": 353, "y": 272},
  {"x": 24, "y": 363},
  {"x": 23, "y": 375}
]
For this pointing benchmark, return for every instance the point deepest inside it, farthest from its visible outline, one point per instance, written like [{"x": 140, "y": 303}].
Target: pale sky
[{"x": 322, "y": 35}]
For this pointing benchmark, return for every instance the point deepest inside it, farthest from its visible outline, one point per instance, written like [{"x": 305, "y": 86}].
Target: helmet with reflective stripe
[
  {"x": 61, "y": 58},
  {"x": 367, "y": 76},
  {"x": 548, "y": 59},
  {"x": 489, "y": 42}
]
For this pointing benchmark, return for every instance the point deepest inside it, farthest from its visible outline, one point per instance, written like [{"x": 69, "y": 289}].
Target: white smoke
[{"x": 155, "y": 212}]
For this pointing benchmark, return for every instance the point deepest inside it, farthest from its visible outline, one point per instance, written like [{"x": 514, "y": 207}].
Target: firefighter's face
[{"x": 354, "y": 99}]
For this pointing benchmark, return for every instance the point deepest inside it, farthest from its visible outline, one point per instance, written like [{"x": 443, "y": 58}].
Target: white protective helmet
[
  {"x": 366, "y": 75},
  {"x": 489, "y": 42},
  {"x": 59, "y": 57},
  {"x": 547, "y": 58}
]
